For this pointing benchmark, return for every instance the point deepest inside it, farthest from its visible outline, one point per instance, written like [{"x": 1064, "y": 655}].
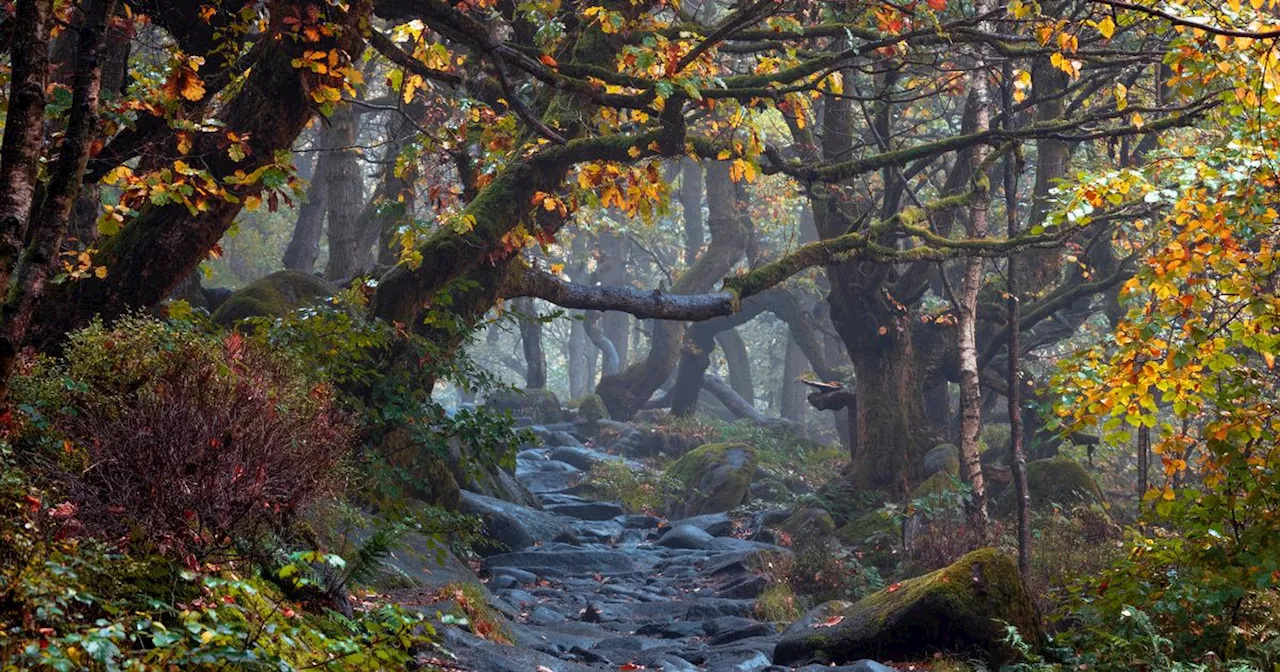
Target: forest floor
[{"x": 603, "y": 590}]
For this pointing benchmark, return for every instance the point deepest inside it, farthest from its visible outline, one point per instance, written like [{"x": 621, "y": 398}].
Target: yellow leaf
[
  {"x": 1168, "y": 493},
  {"x": 1122, "y": 96},
  {"x": 100, "y": 271},
  {"x": 252, "y": 203},
  {"x": 1107, "y": 27},
  {"x": 633, "y": 152},
  {"x": 1138, "y": 120},
  {"x": 557, "y": 268},
  {"x": 723, "y": 154}
]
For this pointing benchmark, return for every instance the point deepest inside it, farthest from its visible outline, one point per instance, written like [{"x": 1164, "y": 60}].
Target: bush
[
  {"x": 820, "y": 570},
  {"x": 779, "y": 604},
  {"x": 186, "y": 442},
  {"x": 639, "y": 490}
]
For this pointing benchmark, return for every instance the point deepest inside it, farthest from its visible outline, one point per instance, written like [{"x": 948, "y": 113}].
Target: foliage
[
  {"x": 819, "y": 570},
  {"x": 78, "y": 604},
  {"x": 1191, "y": 361},
  {"x": 639, "y": 490},
  {"x": 778, "y": 604},
  {"x": 179, "y": 440}
]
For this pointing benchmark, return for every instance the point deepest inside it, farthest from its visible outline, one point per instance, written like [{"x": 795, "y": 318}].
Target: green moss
[
  {"x": 939, "y": 484},
  {"x": 778, "y": 604},
  {"x": 866, "y": 526},
  {"x": 957, "y": 609},
  {"x": 1057, "y": 481},
  {"x": 273, "y": 295},
  {"x": 808, "y": 522},
  {"x": 715, "y": 477},
  {"x": 591, "y": 408}
]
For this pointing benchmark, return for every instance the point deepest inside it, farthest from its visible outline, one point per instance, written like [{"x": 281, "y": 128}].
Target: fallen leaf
[
  {"x": 894, "y": 588},
  {"x": 830, "y": 622}
]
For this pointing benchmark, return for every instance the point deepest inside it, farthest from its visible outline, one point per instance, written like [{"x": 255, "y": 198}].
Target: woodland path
[{"x": 602, "y": 590}]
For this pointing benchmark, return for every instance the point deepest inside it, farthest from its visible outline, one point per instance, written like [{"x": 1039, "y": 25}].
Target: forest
[{"x": 681, "y": 335}]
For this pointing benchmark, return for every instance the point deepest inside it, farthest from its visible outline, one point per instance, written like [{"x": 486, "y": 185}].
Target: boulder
[
  {"x": 591, "y": 410},
  {"x": 1057, "y": 481},
  {"x": 273, "y": 295},
  {"x": 715, "y": 478},
  {"x": 538, "y": 403},
  {"x": 954, "y": 610},
  {"x": 687, "y": 537},
  {"x": 942, "y": 458},
  {"x": 808, "y": 523},
  {"x": 514, "y": 527}
]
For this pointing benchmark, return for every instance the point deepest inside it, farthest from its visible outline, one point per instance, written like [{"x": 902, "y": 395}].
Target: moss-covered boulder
[
  {"x": 956, "y": 610},
  {"x": 1057, "y": 481},
  {"x": 942, "y": 458},
  {"x": 808, "y": 523},
  {"x": 540, "y": 404},
  {"x": 271, "y": 296},
  {"x": 591, "y": 409},
  {"x": 713, "y": 478}
]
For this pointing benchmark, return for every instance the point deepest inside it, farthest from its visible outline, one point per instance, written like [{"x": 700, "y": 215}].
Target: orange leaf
[
  {"x": 833, "y": 621},
  {"x": 937, "y": 5},
  {"x": 547, "y": 60},
  {"x": 894, "y": 588}
]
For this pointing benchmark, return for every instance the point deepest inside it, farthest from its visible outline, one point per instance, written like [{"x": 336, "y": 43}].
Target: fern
[{"x": 367, "y": 560}]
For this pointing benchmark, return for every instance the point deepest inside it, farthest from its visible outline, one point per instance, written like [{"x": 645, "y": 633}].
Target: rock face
[
  {"x": 540, "y": 404},
  {"x": 953, "y": 610},
  {"x": 273, "y": 295},
  {"x": 715, "y": 477}
]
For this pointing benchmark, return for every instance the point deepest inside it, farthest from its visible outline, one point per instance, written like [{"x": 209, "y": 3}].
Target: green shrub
[
  {"x": 779, "y": 604},
  {"x": 639, "y": 490},
  {"x": 819, "y": 570}
]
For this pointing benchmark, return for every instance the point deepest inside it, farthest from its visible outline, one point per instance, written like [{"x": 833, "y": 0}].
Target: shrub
[
  {"x": 821, "y": 570},
  {"x": 187, "y": 442},
  {"x": 639, "y": 490},
  {"x": 779, "y": 604}
]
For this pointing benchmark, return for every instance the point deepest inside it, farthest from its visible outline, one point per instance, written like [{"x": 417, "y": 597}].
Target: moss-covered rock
[
  {"x": 591, "y": 409},
  {"x": 713, "y": 478},
  {"x": 808, "y": 523},
  {"x": 274, "y": 295},
  {"x": 937, "y": 485},
  {"x": 538, "y": 403},
  {"x": 1057, "y": 481},
  {"x": 942, "y": 458},
  {"x": 954, "y": 610}
]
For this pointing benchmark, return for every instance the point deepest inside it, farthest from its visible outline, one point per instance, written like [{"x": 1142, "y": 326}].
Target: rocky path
[{"x": 583, "y": 586}]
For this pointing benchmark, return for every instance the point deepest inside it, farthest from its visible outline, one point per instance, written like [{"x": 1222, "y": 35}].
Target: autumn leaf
[
  {"x": 830, "y": 622},
  {"x": 894, "y": 588},
  {"x": 937, "y": 5}
]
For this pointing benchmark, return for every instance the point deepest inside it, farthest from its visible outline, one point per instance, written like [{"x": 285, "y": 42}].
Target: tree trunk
[
  {"x": 967, "y": 306},
  {"x": 531, "y": 342},
  {"x": 1014, "y": 393},
  {"x": 615, "y": 325},
  {"x": 792, "y": 393},
  {"x": 51, "y": 218},
  {"x": 23, "y": 128},
  {"x": 344, "y": 187},
  {"x": 691, "y": 190},
  {"x": 576, "y": 355},
  {"x": 304, "y": 245},
  {"x": 738, "y": 362},
  {"x": 162, "y": 244}
]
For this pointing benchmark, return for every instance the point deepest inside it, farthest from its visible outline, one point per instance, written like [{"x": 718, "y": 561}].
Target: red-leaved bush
[{"x": 193, "y": 443}]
